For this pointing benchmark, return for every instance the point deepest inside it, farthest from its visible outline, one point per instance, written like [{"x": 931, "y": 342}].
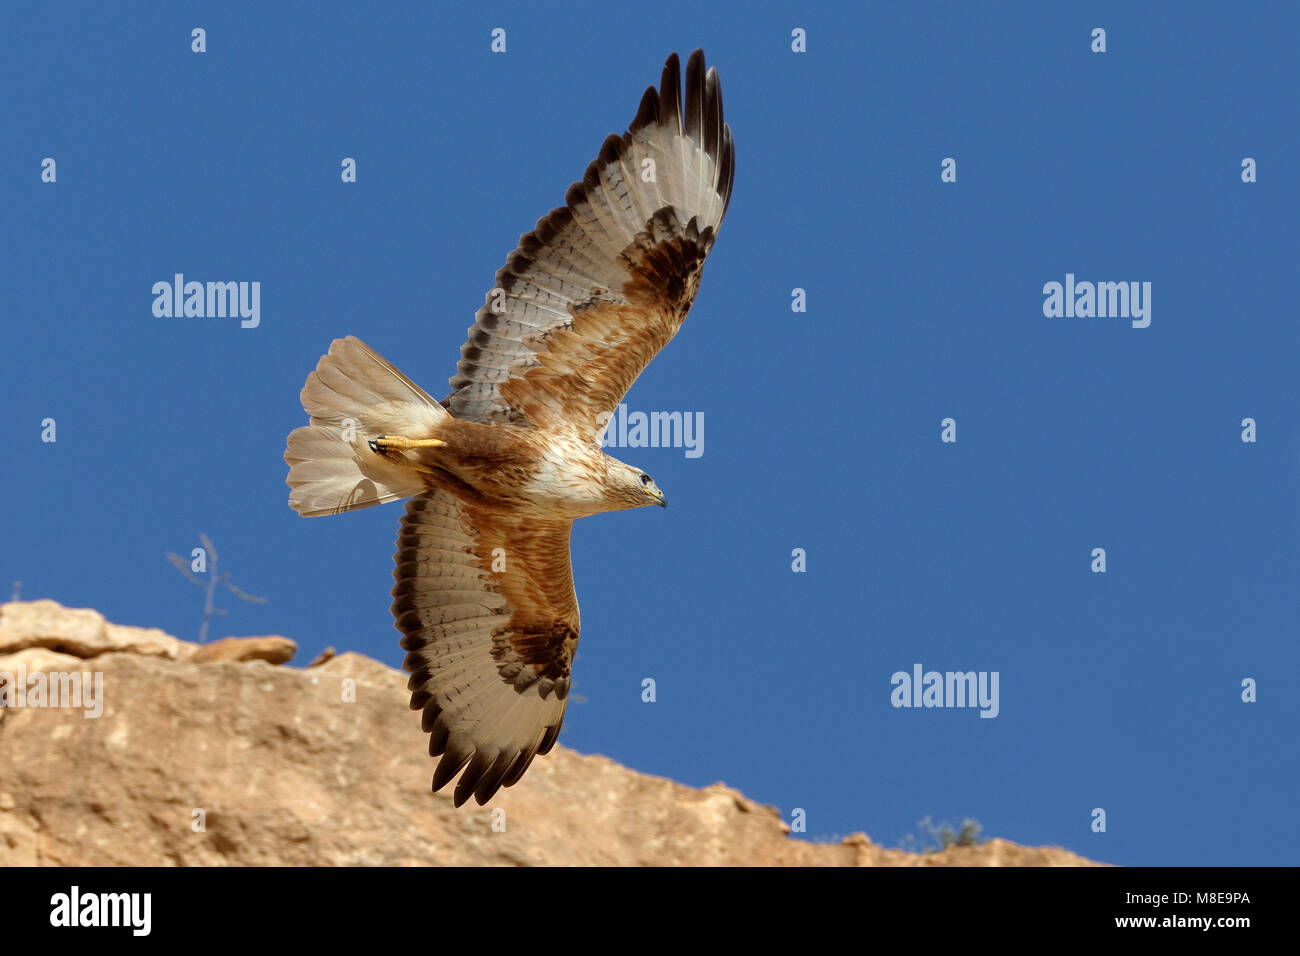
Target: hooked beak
[{"x": 657, "y": 496}]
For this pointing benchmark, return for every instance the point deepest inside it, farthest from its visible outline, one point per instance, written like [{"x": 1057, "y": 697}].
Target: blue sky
[{"x": 1119, "y": 690}]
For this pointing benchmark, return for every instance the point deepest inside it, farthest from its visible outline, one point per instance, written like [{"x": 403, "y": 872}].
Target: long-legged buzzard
[{"x": 500, "y": 468}]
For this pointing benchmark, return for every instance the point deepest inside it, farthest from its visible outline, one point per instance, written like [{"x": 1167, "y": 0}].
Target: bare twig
[{"x": 210, "y": 609}]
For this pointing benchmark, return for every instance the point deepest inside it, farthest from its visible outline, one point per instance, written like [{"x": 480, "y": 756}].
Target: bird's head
[{"x": 629, "y": 487}]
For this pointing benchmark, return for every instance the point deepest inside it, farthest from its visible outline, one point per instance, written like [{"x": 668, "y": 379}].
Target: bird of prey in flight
[{"x": 499, "y": 469}]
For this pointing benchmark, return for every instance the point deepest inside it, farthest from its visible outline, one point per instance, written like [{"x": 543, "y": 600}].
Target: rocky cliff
[{"x": 215, "y": 755}]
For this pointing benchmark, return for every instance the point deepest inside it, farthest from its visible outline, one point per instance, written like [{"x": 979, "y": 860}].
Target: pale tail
[{"x": 355, "y": 396}]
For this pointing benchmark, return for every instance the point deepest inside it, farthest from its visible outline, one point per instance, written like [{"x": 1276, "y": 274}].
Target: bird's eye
[{"x": 645, "y": 479}]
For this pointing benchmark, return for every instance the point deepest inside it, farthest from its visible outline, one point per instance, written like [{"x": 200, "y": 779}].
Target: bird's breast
[{"x": 519, "y": 469}]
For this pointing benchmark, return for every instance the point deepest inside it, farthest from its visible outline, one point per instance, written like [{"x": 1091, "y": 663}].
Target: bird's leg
[{"x": 381, "y": 446}]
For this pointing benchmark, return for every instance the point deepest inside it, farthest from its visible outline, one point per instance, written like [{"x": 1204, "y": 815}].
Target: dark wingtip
[
  {"x": 517, "y": 768},
  {"x": 670, "y": 91},
  {"x": 727, "y": 169},
  {"x": 698, "y": 113},
  {"x": 548, "y": 741},
  {"x": 611, "y": 149},
  {"x": 712, "y": 113},
  {"x": 448, "y": 767},
  {"x": 647, "y": 114},
  {"x": 470, "y": 779},
  {"x": 490, "y": 782},
  {"x": 694, "y": 99}
]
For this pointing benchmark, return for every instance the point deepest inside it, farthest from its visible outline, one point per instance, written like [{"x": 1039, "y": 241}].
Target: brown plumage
[{"x": 500, "y": 469}]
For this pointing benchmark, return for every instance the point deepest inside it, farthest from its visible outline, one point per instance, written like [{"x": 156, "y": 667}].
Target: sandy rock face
[
  {"x": 240, "y": 762},
  {"x": 80, "y": 632},
  {"x": 273, "y": 650}
]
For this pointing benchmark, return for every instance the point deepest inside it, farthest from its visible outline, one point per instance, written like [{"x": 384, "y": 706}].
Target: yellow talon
[{"x": 397, "y": 442}]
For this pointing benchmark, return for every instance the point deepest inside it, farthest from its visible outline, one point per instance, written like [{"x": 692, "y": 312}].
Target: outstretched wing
[
  {"x": 593, "y": 293},
  {"x": 489, "y": 619}
]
